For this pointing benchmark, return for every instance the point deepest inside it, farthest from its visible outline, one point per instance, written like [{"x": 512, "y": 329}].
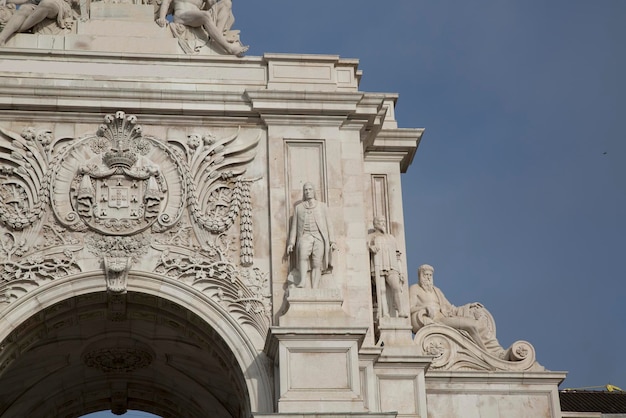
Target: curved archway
[
  {"x": 173, "y": 352},
  {"x": 129, "y": 414}
]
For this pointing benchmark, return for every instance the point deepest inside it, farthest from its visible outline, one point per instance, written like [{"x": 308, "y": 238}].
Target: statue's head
[
  {"x": 425, "y": 275},
  {"x": 308, "y": 191},
  {"x": 380, "y": 224}
]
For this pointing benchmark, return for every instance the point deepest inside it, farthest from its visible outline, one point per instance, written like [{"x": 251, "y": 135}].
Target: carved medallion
[{"x": 124, "y": 356}]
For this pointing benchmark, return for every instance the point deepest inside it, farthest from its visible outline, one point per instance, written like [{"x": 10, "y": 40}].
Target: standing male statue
[
  {"x": 311, "y": 235},
  {"x": 430, "y": 306},
  {"x": 385, "y": 268}
]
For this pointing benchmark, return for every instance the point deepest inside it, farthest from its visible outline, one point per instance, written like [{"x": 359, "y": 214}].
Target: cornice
[
  {"x": 303, "y": 102},
  {"x": 393, "y": 145}
]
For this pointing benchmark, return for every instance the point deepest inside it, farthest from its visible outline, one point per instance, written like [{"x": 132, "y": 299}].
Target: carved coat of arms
[{"x": 120, "y": 191}]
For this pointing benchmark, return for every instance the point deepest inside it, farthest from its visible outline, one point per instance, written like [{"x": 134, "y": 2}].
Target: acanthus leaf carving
[
  {"x": 244, "y": 292},
  {"x": 40, "y": 267},
  {"x": 23, "y": 269},
  {"x": 116, "y": 270},
  {"x": 117, "y": 254}
]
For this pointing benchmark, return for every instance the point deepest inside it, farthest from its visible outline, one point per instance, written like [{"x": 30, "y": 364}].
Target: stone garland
[{"x": 246, "y": 231}]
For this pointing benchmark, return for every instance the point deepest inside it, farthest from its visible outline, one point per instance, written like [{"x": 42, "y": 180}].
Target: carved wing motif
[
  {"x": 24, "y": 176},
  {"x": 215, "y": 183}
]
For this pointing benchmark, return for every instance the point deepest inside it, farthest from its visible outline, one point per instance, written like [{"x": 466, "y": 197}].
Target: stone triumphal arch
[{"x": 191, "y": 232}]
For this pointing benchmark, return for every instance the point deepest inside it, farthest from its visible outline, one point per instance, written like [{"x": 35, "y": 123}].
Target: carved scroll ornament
[{"x": 452, "y": 350}]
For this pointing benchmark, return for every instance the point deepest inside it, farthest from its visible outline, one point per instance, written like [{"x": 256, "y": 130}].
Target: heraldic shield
[{"x": 118, "y": 185}]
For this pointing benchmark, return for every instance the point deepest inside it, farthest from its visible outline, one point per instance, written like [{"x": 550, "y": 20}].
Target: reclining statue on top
[
  {"x": 213, "y": 23},
  {"x": 49, "y": 17},
  {"x": 460, "y": 337}
]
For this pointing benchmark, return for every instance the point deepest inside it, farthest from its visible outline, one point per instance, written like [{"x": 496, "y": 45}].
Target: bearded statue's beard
[{"x": 429, "y": 287}]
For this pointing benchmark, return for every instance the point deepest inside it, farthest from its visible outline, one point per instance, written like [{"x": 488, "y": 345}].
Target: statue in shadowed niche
[
  {"x": 385, "y": 269},
  {"x": 311, "y": 236}
]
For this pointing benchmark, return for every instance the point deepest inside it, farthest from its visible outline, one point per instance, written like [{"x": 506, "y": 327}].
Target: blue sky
[{"x": 517, "y": 194}]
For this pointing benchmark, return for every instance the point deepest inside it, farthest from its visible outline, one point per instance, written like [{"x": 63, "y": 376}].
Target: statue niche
[
  {"x": 311, "y": 239},
  {"x": 387, "y": 277}
]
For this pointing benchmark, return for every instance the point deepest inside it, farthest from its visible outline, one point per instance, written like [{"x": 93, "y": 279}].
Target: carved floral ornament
[
  {"x": 121, "y": 356},
  {"x": 121, "y": 195}
]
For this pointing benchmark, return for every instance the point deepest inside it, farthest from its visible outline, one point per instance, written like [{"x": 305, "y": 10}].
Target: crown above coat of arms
[{"x": 124, "y": 138}]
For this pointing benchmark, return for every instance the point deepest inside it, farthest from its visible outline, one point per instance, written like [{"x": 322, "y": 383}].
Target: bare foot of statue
[{"x": 237, "y": 49}]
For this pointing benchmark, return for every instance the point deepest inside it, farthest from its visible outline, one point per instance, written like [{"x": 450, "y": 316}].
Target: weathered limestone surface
[
  {"x": 146, "y": 200},
  {"x": 476, "y": 394}
]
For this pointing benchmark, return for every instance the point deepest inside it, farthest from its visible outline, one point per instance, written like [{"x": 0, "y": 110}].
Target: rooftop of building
[{"x": 611, "y": 400}]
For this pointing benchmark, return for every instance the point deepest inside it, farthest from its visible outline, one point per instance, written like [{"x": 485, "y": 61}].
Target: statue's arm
[
  {"x": 329, "y": 227},
  {"x": 292, "y": 231},
  {"x": 446, "y": 307},
  {"x": 371, "y": 243},
  {"x": 419, "y": 313},
  {"x": 165, "y": 5}
]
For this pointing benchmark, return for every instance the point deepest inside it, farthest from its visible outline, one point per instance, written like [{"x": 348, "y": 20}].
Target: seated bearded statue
[
  {"x": 461, "y": 337},
  {"x": 430, "y": 306}
]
